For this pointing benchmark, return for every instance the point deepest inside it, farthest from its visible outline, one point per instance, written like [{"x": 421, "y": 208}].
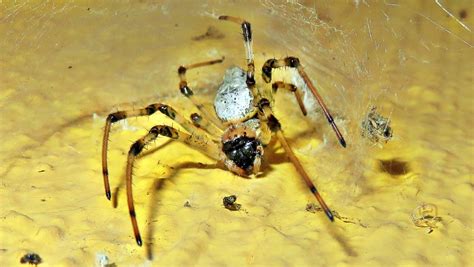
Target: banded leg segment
[
  {"x": 266, "y": 114},
  {"x": 206, "y": 125},
  {"x": 147, "y": 111},
  {"x": 292, "y": 88},
  {"x": 294, "y": 62},
  {"x": 189, "y": 93},
  {"x": 200, "y": 143},
  {"x": 303, "y": 174},
  {"x": 247, "y": 34}
]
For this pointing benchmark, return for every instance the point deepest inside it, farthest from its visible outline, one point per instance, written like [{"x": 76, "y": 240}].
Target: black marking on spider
[
  {"x": 263, "y": 103},
  {"x": 196, "y": 119},
  {"x": 137, "y": 147},
  {"x": 186, "y": 91},
  {"x": 181, "y": 70},
  {"x": 114, "y": 117},
  {"x": 242, "y": 151},
  {"x": 292, "y": 62},
  {"x": 31, "y": 258},
  {"x": 273, "y": 124},
  {"x": 168, "y": 111},
  {"x": 247, "y": 31}
]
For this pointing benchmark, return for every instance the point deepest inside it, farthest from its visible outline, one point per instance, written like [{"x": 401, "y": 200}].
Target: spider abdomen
[{"x": 233, "y": 100}]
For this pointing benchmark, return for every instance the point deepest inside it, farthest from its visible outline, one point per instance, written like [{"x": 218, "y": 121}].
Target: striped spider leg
[
  {"x": 266, "y": 115},
  {"x": 198, "y": 139},
  {"x": 294, "y": 62}
]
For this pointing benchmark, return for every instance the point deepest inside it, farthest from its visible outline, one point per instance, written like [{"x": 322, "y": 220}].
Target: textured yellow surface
[{"x": 65, "y": 66}]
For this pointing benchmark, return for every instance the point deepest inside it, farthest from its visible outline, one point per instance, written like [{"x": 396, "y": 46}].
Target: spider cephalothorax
[
  {"x": 242, "y": 148},
  {"x": 243, "y": 123}
]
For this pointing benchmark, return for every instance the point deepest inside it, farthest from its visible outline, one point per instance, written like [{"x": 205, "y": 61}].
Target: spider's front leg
[
  {"x": 265, "y": 114},
  {"x": 247, "y": 35},
  {"x": 198, "y": 142},
  {"x": 294, "y": 62},
  {"x": 147, "y": 111}
]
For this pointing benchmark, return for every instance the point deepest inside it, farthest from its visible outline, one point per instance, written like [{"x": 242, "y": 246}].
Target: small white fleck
[{"x": 101, "y": 260}]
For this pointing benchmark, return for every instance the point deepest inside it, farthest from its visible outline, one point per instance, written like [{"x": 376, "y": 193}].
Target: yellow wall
[{"x": 65, "y": 65}]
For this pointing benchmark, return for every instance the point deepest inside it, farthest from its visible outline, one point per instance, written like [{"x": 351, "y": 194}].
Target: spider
[{"x": 244, "y": 125}]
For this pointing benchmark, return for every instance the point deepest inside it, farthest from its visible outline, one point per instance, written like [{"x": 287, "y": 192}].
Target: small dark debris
[
  {"x": 31, "y": 258},
  {"x": 176, "y": 25},
  {"x": 313, "y": 207},
  {"x": 43, "y": 200},
  {"x": 41, "y": 170},
  {"x": 394, "y": 167},
  {"x": 211, "y": 33},
  {"x": 229, "y": 203},
  {"x": 69, "y": 67},
  {"x": 187, "y": 204},
  {"x": 463, "y": 13},
  {"x": 88, "y": 9}
]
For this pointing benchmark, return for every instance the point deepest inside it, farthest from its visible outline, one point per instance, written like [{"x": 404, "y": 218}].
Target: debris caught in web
[
  {"x": 376, "y": 128},
  {"x": 426, "y": 216}
]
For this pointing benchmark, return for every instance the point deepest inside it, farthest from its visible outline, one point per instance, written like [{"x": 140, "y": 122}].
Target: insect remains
[
  {"x": 242, "y": 125},
  {"x": 426, "y": 216},
  {"x": 31, "y": 258},
  {"x": 229, "y": 203},
  {"x": 376, "y": 128}
]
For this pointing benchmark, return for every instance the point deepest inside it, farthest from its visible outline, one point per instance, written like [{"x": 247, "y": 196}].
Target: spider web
[{"x": 366, "y": 54}]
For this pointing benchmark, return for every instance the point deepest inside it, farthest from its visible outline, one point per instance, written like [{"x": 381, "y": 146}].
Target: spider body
[{"x": 243, "y": 123}]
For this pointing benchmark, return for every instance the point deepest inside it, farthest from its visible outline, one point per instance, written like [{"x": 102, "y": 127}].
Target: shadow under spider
[
  {"x": 157, "y": 185},
  {"x": 271, "y": 157}
]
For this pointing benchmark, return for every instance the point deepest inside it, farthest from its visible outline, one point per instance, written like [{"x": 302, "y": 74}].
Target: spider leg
[
  {"x": 200, "y": 143},
  {"x": 205, "y": 124},
  {"x": 189, "y": 93},
  {"x": 292, "y": 88},
  {"x": 147, "y": 111},
  {"x": 294, "y": 62},
  {"x": 247, "y": 34},
  {"x": 266, "y": 114}
]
